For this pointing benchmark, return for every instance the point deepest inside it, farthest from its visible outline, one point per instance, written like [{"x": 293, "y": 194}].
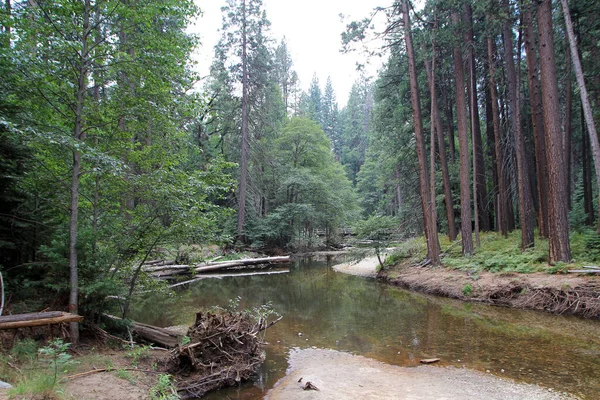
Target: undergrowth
[{"x": 502, "y": 255}]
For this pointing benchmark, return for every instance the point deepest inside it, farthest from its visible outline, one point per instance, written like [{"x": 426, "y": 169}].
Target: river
[{"x": 326, "y": 309}]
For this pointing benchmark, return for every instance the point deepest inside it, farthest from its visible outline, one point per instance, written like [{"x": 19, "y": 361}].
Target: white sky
[{"x": 312, "y": 29}]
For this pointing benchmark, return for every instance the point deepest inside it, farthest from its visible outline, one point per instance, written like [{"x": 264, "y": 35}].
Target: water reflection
[{"x": 333, "y": 310}]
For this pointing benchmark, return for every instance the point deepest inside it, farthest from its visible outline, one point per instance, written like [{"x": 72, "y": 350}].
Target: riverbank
[
  {"x": 558, "y": 294},
  {"x": 555, "y": 293},
  {"x": 343, "y": 376}
]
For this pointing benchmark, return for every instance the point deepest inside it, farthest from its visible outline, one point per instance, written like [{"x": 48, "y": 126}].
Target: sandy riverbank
[{"x": 343, "y": 376}]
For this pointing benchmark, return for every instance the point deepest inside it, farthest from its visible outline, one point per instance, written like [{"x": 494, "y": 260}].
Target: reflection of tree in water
[{"x": 348, "y": 313}]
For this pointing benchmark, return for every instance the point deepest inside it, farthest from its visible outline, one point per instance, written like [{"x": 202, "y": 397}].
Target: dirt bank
[
  {"x": 340, "y": 376},
  {"x": 559, "y": 294}
]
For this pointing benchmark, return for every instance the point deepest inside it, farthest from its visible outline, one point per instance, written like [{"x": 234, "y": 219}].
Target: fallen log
[
  {"x": 148, "y": 268},
  {"x": 219, "y": 276},
  {"x": 153, "y": 334},
  {"x": 214, "y": 266},
  {"x": 584, "y": 271},
  {"x": 37, "y": 319}
]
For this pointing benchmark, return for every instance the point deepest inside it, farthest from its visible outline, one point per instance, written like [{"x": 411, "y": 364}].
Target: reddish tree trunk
[
  {"x": 502, "y": 184},
  {"x": 558, "y": 221},
  {"x": 437, "y": 120},
  {"x": 433, "y": 246},
  {"x": 535, "y": 102},
  {"x": 478, "y": 164},
  {"x": 524, "y": 188},
  {"x": 463, "y": 140}
]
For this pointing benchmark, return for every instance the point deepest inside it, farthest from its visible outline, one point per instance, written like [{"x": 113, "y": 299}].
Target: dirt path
[{"x": 341, "y": 376}]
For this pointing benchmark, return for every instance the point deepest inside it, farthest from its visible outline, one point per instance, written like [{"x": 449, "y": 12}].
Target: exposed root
[{"x": 225, "y": 349}]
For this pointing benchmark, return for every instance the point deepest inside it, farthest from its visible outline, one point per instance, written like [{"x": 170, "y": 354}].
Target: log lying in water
[
  {"x": 153, "y": 334},
  {"x": 171, "y": 269},
  {"x": 37, "y": 319},
  {"x": 217, "y": 265},
  {"x": 200, "y": 277}
]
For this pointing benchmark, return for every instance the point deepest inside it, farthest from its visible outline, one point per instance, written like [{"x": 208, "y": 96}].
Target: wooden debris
[
  {"x": 584, "y": 271},
  {"x": 429, "y": 360},
  {"x": 310, "y": 386},
  {"x": 219, "y": 276},
  {"x": 153, "y": 334},
  {"x": 37, "y": 319},
  {"x": 213, "y": 264},
  {"x": 225, "y": 349}
]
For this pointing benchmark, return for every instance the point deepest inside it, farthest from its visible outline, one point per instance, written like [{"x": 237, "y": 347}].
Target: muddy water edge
[{"x": 326, "y": 309}]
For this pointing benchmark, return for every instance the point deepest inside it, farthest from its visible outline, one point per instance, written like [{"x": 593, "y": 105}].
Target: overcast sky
[{"x": 312, "y": 29}]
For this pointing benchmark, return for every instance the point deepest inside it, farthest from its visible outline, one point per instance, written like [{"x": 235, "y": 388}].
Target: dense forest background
[{"x": 114, "y": 150}]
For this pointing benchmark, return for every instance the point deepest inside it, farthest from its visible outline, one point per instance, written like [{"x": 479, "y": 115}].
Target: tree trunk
[
  {"x": 588, "y": 204},
  {"x": 585, "y": 100},
  {"x": 535, "y": 102},
  {"x": 491, "y": 145},
  {"x": 437, "y": 122},
  {"x": 480, "y": 191},
  {"x": 463, "y": 140},
  {"x": 78, "y": 135},
  {"x": 558, "y": 221},
  {"x": 502, "y": 184},
  {"x": 449, "y": 122},
  {"x": 433, "y": 246},
  {"x": 244, "y": 147},
  {"x": 524, "y": 188},
  {"x": 568, "y": 119}
]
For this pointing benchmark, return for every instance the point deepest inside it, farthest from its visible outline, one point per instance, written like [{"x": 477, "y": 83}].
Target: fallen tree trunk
[
  {"x": 37, "y": 319},
  {"x": 170, "y": 268},
  {"x": 153, "y": 334},
  {"x": 219, "y": 276},
  {"x": 148, "y": 268},
  {"x": 214, "y": 266}
]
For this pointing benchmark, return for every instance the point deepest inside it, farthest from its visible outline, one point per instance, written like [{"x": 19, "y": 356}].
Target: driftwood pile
[{"x": 224, "y": 350}]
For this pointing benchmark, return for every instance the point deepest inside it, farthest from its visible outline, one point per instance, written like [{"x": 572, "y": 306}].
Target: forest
[{"x": 115, "y": 151}]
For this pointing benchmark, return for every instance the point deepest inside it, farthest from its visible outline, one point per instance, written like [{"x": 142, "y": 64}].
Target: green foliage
[
  {"x": 164, "y": 389},
  {"x": 498, "y": 254},
  {"x": 25, "y": 349},
  {"x": 55, "y": 354},
  {"x": 467, "y": 290},
  {"x": 138, "y": 353}
]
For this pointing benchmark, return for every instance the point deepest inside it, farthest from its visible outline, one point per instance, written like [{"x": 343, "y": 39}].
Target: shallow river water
[{"x": 327, "y": 309}]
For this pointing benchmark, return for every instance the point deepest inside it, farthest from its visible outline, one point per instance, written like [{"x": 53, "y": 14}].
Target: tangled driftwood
[{"x": 224, "y": 349}]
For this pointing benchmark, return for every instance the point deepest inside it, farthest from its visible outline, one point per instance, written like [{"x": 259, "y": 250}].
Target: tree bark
[
  {"x": 463, "y": 141},
  {"x": 433, "y": 246},
  {"x": 568, "y": 119},
  {"x": 480, "y": 191},
  {"x": 491, "y": 145},
  {"x": 585, "y": 100},
  {"x": 437, "y": 122},
  {"x": 78, "y": 135},
  {"x": 502, "y": 184},
  {"x": 524, "y": 188},
  {"x": 244, "y": 146},
  {"x": 558, "y": 222},
  {"x": 535, "y": 102}
]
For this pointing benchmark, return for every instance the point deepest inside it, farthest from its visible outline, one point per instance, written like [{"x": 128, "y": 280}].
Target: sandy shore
[
  {"x": 341, "y": 376},
  {"x": 365, "y": 267}
]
